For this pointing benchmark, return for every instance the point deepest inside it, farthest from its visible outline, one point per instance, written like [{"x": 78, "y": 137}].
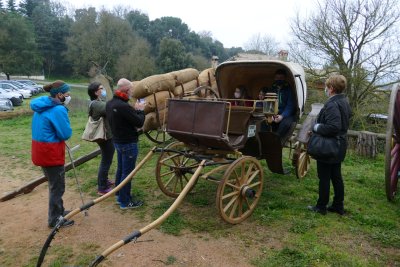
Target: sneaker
[
  {"x": 317, "y": 210},
  {"x": 131, "y": 205},
  {"x": 103, "y": 192},
  {"x": 337, "y": 210},
  {"x": 67, "y": 223},
  {"x": 110, "y": 183}
]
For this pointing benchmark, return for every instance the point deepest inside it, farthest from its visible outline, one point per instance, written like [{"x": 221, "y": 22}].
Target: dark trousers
[
  {"x": 328, "y": 172},
  {"x": 107, "y": 154},
  {"x": 56, "y": 178},
  {"x": 283, "y": 127},
  {"x": 127, "y": 155}
]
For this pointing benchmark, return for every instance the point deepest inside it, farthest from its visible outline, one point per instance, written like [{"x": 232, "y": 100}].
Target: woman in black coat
[{"x": 333, "y": 120}]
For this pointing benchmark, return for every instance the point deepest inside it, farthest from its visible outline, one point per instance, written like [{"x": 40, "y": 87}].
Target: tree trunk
[{"x": 366, "y": 144}]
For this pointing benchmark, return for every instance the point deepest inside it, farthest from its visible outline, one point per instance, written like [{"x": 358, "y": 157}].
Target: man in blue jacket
[
  {"x": 50, "y": 129},
  {"x": 286, "y": 109}
]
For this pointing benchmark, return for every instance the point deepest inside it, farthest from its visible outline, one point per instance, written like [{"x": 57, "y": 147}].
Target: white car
[
  {"x": 15, "y": 88},
  {"x": 16, "y": 98},
  {"x": 5, "y": 104}
]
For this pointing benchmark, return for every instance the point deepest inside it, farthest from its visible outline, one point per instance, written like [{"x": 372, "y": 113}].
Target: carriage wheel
[
  {"x": 206, "y": 92},
  {"x": 174, "y": 170},
  {"x": 157, "y": 136},
  {"x": 240, "y": 189},
  {"x": 301, "y": 160},
  {"x": 392, "y": 147}
]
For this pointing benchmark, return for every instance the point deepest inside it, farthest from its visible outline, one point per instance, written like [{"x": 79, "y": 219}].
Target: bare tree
[
  {"x": 358, "y": 38},
  {"x": 265, "y": 44}
]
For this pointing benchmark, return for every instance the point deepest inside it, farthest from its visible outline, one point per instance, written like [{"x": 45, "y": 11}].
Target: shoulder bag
[
  {"x": 324, "y": 147},
  {"x": 94, "y": 130}
]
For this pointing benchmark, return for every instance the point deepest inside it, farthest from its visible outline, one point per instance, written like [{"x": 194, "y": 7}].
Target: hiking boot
[
  {"x": 103, "y": 192},
  {"x": 337, "y": 210},
  {"x": 67, "y": 223},
  {"x": 317, "y": 210},
  {"x": 131, "y": 205}
]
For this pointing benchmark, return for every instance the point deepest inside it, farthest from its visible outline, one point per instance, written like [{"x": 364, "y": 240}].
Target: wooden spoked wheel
[
  {"x": 174, "y": 170},
  {"x": 206, "y": 92},
  {"x": 301, "y": 160},
  {"x": 392, "y": 148},
  {"x": 158, "y": 136},
  {"x": 240, "y": 189}
]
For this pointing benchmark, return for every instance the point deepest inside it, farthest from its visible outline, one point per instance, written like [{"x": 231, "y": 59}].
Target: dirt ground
[{"x": 23, "y": 230}]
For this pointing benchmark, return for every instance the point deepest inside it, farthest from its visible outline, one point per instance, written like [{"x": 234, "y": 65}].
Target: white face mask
[
  {"x": 326, "y": 91},
  {"x": 67, "y": 100},
  {"x": 237, "y": 95}
]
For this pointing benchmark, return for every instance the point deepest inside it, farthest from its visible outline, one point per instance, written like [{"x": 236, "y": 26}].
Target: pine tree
[
  {"x": 11, "y": 7},
  {"x": 26, "y": 7}
]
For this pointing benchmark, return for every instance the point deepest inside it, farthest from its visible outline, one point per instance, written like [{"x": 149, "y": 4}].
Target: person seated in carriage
[
  {"x": 241, "y": 94},
  {"x": 286, "y": 109},
  {"x": 260, "y": 98}
]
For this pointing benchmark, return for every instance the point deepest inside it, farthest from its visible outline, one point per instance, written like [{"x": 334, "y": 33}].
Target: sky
[{"x": 231, "y": 22}]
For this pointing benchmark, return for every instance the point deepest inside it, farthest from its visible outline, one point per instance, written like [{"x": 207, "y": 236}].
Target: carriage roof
[{"x": 257, "y": 74}]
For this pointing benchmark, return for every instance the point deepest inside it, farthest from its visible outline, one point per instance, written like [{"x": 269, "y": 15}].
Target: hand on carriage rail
[
  {"x": 86, "y": 206},
  {"x": 136, "y": 234}
]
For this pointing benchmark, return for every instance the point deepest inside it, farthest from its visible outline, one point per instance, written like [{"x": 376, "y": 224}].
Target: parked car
[
  {"x": 17, "y": 88},
  {"x": 15, "y": 98},
  {"x": 30, "y": 88},
  {"x": 20, "y": 85},
  {"x": 39, "y": 87},
  {"x": 6, "y": 104}
]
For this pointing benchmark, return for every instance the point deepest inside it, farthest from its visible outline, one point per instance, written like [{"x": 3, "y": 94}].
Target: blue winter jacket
[{"x": 50, "y": 128}]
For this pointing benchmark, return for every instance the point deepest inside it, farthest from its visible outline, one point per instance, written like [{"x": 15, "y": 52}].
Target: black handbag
[{"x": 323, "y": 147}]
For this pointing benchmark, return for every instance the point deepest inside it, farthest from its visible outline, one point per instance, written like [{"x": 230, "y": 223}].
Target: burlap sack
[
  {"x": 187, "y": 87},
  {"x": 185, "y": 75},
  {"x": 161, "y": 98},
  {"x": 207, "y": 77},
  {"x": 151, "y": 122},
  {"x": 154, "y": 84}
]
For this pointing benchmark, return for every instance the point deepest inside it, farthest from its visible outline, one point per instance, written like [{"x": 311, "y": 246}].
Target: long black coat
[{"x": 333, "y": 120}]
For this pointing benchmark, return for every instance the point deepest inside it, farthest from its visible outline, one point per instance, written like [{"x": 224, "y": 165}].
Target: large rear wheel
[
  {"x": 392, "y": 148},
  {"x": 240, "y": 190}
]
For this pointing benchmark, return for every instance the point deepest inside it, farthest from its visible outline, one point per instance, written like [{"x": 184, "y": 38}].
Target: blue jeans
[
  {"x": 126, "y": 155},
  {"x": 107, "y": 154}
]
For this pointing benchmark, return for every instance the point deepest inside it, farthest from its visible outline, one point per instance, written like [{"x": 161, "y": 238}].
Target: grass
[{"x": 281, "y": 229}]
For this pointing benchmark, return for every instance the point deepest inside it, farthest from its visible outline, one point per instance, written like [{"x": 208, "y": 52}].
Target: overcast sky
[{"x": 231, "y": 22}]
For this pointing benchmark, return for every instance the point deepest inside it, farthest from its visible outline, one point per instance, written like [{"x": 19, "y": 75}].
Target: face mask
[
  {"x": 326, "y": 91},
  {"x": 103, "y": 93},
  {"x": 66, "y": 101},
  {"x": 237, "y": 95},
  {"x": 279, "y": 82}
]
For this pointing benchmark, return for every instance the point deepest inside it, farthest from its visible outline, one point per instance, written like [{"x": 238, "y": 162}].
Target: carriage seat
[{"x": 204, "y": 123}]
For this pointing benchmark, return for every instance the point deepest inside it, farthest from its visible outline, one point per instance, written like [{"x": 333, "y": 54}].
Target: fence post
[{"x": 366, "y": 144}]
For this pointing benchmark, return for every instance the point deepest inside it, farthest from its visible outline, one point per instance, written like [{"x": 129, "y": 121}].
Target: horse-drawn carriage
[
  {"x": 229, "y": 137},
  {"x": 218, "y": 142}
]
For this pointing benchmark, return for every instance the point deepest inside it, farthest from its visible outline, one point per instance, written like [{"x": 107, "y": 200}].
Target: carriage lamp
[{"x": 270, "y": 105}]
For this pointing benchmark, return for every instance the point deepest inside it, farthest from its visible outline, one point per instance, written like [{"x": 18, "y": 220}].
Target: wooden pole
[{"x": 34, "y": 183}]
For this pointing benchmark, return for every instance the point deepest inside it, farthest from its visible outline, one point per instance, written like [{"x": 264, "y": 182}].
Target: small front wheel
[{"x": 174, "y": 170}]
